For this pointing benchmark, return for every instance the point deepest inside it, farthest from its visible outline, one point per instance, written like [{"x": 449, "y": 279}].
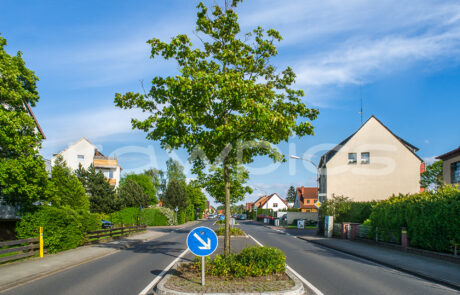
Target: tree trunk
[{"x": 227, "y": 208}]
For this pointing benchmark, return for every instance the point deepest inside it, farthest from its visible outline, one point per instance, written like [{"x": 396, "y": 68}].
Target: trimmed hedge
[
  {"x": 431, "y": 218},
  {"x": 251, "y": 261},
  {"x": 63, "y": 228},
  {"x": 156, "y": 216},
  {"x": 234, "y": 231}
]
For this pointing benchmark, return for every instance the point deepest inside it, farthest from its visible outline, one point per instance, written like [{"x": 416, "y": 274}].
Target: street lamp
[{"x": 316, "y": 166}]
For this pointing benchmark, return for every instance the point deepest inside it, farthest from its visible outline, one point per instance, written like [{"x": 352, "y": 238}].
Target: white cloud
[
  {"x": 94, "y": 124},
  {"x": 430, "y": 160}
]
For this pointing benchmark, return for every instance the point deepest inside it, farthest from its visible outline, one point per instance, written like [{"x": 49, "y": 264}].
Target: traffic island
[
  {"x": 185, "y": 279},
  {"x": 254, "y": 270}
]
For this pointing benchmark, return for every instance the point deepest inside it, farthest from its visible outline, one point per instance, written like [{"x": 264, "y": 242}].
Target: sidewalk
[
  {"x": 443, "y": 272},
  {"x": 24, "y": 271}
]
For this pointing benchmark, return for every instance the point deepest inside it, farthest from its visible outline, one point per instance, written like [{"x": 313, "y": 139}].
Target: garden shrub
[
  {"x": 181, "y": 215},
  {"x": 431, "y": 218},
  {"x": 234, "y": 231},
  {"x": 126, "y": 216},
  {"x": 251, "y": 261},
  {"x": 63, "y": 228},
  {"x": 169, "y": 214},
  {"x": 153, "y": 217}
]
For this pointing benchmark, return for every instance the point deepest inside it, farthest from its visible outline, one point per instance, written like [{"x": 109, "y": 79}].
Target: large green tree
[
  {"x": 196, "y": 196},
  {"x": 66, "y": 189},
  {"x": 145, "y": 181},
  {"x": 132, "y": 194},
  {"x": 290, "y": 195},
  {"x": 432, "y": 177},
  {"x": 102, "y": 196},
  {"x": 176, "y": 195},
  {"x": 227, "y": 104},
  {"x": 23, "y": 177}
]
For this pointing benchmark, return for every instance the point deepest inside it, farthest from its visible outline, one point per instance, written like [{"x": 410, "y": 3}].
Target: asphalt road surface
[
  {"x": 130, "y": 271},
  {"x": 333, "y": 272}
]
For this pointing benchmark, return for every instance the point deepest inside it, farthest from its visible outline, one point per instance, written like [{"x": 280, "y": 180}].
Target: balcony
[
  {"x": 112, "y": 181},
  {"x": 105, "y": 162}
]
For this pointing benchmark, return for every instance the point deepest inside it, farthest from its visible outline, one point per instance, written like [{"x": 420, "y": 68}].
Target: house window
[
  {"x": 455, "y": 167},
  {"x": 275, "y": 205},
  {"x": 80, "y": 159},
  {"x": 308, "y": 201},
  {"x": 365, "y": 158},
  {"x": 352, "y": 158}
]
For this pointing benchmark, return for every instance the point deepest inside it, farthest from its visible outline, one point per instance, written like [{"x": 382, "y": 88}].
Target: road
[{"x": 130, "y": 271}]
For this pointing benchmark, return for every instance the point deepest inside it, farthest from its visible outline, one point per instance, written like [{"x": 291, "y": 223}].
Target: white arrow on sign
[{"x": 206, "y": 246}]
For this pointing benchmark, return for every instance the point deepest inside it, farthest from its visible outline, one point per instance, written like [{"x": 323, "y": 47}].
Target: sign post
[{"x": 202, "y": 241}]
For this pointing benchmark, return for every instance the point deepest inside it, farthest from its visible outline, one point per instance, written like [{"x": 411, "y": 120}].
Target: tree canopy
[
  {"x": 145, "y": 181},
  {"x": 290, "y": 195},
  {"x": 432, "y": 177},
  {"x": 227, "y": 104},
  {"x": 175, "y": 195},
  {"x": 23, "y": 176},
  {"x": 131, "y": 194},
  {"x": 66, "y": 189}
]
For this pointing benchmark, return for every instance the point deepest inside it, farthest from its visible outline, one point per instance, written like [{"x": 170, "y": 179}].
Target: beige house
[
  {"x": 85, "y": 153},
  {"x": 371, "y": 164},
  {"x": 451, "y": 167}
]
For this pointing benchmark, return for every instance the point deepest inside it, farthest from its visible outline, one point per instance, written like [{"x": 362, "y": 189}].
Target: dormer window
[
  {"x": 365, "y": 158},
  {"x": 352, "y": 158}
]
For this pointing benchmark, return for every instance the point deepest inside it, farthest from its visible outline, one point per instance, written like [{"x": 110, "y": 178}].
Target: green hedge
[
  {"x": 431, "y": 218},
  {"x": 149, "y": 216},
  {"x": 251, "y": 261},
  {"x": 345, "y": 210},
  {"x": 63, "y": 228}
]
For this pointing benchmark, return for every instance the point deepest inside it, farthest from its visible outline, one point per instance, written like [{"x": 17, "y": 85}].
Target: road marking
[
  {"x": 310, "y": 285},
  {"x": 162, "y": 274}
]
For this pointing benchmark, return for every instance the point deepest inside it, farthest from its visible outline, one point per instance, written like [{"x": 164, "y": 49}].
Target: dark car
[{"x": 106, "y": 224}]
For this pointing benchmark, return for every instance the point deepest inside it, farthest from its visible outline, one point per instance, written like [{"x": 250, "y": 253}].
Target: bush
[
  {"x": 251, "y": 261},
  {"x": 345, "y": 210},
  {"x": 63, "y": 228},
  {"x": 153, "y": 217},
  {"x": 431, "y": 218},
  {"x": 169, "y": 214},
  {"x": 234, "y": 231},
  {"x": 126, "y": 216}
]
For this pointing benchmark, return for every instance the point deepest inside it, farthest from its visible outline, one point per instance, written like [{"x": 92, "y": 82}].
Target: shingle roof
[{"x": 450, "y": 154}]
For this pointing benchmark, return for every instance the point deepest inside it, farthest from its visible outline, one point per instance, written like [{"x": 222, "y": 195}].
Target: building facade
[
  {"x": 273, "y": 201},
  {"x": 371, "y": 164},
  {"x": 305, "y": 199},
  {"x": 85, "y": 153},
  {"x": 451, "y": 167}
]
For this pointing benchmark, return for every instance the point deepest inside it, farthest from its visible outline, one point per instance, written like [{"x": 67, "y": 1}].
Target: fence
[
  {"x": 117, "y": 232},
  {"x": 21, "y": 249}
]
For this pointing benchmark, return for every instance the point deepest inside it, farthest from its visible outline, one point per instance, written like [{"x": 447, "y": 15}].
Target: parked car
[
  {"x": 106, "y": 224},
  {"x": 241, "y": 217}
]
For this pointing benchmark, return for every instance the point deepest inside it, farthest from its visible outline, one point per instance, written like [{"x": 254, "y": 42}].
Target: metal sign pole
[{"x": 202, "y": 270}]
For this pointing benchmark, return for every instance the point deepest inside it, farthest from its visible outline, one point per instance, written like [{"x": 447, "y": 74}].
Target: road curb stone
[{"x": 298, "y": 288}]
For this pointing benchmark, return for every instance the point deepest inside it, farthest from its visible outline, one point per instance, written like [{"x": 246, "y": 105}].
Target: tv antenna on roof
[{"x": 361, "y": 98}]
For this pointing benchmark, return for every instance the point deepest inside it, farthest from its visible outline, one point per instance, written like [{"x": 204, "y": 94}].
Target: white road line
[
  {"x": 310, "y": 285},
  {"x": 162, "y": 274}
]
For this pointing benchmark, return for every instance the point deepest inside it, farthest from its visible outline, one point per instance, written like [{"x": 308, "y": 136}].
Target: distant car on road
[
  {"x": 241, "y": 217},
  {"x": 106, "y": 224}
]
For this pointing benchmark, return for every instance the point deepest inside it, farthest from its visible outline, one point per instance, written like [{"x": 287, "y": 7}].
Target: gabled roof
[
  {"x": 29, "y": 109},
  {"x": 266, "y": 199},
  {"x": 307, "y": 193},
  {"x": 259, "y": 201},
  {"x": 81, "y": 139},
  {"x": 449, "y": 155},
  {"x": 331, "y": 153}
]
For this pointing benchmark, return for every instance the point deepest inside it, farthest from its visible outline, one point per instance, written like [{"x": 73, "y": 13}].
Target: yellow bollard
[{"x": 41, "y": 242}]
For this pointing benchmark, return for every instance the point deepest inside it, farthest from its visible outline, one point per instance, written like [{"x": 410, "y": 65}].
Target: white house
[
  {"x": 85, "y": 153},
  {"x": 273, "y": 201},
  {"x": 371, "y": 164}
]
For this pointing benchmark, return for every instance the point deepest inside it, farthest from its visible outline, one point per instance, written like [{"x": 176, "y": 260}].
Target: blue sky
[{"x": 403, "y": 56}]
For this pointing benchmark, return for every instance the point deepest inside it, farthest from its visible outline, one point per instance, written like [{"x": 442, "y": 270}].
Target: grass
[{"x": 187, "y": 278}]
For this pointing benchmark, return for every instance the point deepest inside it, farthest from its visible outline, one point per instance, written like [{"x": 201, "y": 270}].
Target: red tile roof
[{"x": 307, "y": 193}]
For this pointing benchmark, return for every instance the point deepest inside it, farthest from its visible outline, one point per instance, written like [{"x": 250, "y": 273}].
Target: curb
[
  {"x": 390, "y": 265},
  {"x": 298, "y": 288},
  {"x": 38, "y": 276}
]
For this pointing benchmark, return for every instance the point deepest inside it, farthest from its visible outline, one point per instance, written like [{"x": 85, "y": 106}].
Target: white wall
[
  {"x": 81, "y": 147},
  {"x": 275, "y": 199},
  {"x": 393, "y": 169}
]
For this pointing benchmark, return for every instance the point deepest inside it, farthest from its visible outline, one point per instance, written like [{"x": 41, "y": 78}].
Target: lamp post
[{"x": 316, "y": 166}]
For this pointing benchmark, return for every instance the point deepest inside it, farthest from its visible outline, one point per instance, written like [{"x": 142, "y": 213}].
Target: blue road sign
[
  {"x": 222, "y": 217},
  {"x": 202, "y": 241}
]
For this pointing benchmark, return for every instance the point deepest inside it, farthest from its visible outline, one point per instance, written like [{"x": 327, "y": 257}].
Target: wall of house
[
  {"x": 82, "y": 147},
  {"x": 447, "y": 172},
  {"x": 275, "y": 199},
  {"x": 393, "y": 168}
]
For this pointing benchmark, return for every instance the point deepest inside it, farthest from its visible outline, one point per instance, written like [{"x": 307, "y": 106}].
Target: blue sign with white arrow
[
  {"x": 222, "y": 217},
  {"x": 202, "y": 241}
]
